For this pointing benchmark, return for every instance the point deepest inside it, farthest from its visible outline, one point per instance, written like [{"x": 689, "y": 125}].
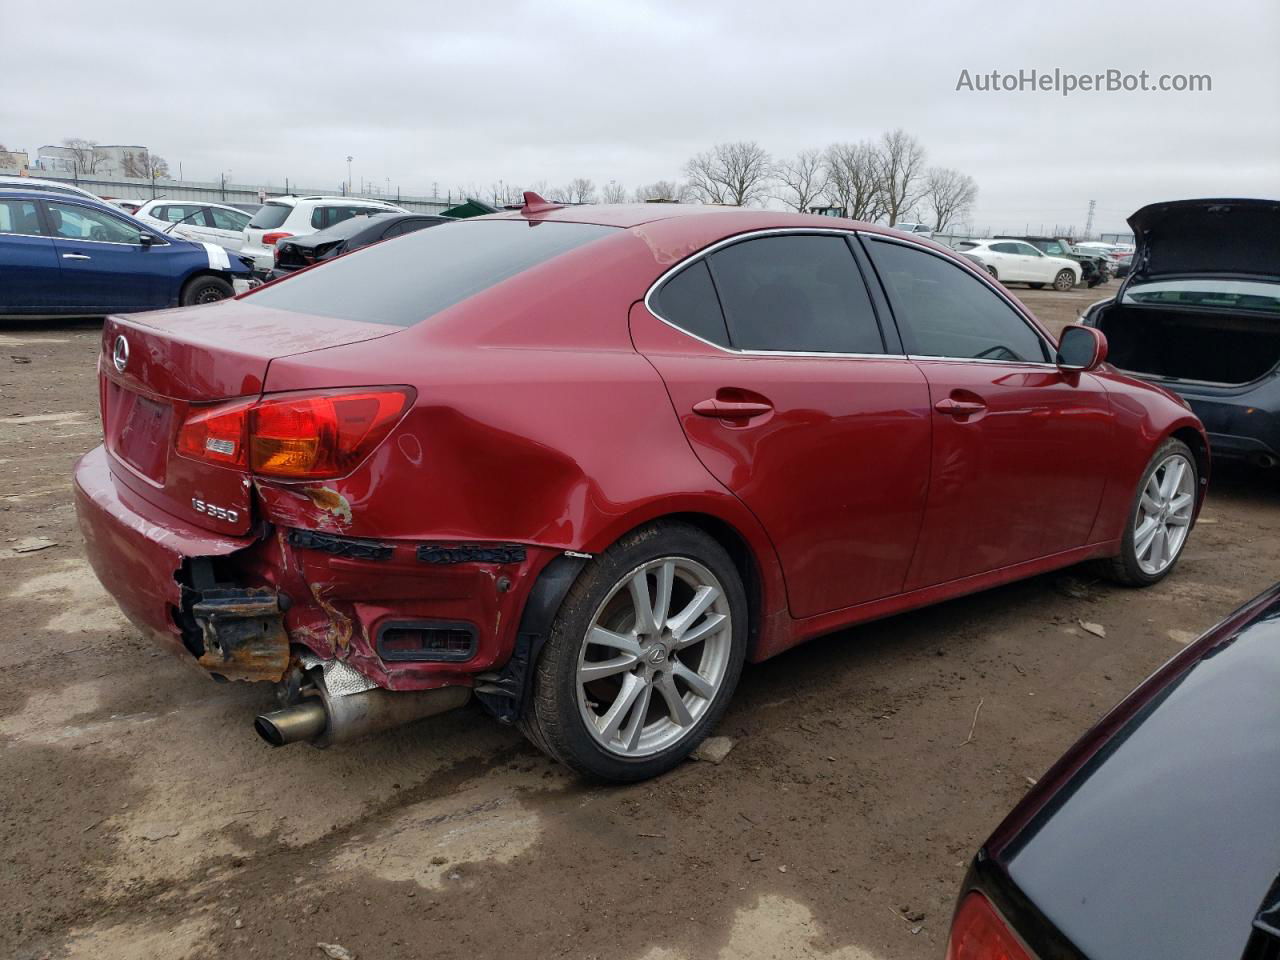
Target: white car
[
  {"x": 51, "y": 186},
  {"x": 197, "y": 220},
  {"x": 128, "y": 206},
  {"x": 282, "y": 217},
  {"x": 1013, "y": 261},
  {"x": 916, "y": 229}
]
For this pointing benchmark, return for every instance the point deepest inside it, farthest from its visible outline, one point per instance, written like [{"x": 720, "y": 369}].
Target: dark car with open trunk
[{"x": 1199, "y": 314}]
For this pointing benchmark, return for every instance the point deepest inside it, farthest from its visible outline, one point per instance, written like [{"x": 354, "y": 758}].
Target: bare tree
[
  {"x": 853, "y": 181},
  {"x": 802, "y": 180},
  {"x": 582, "y": 190},
  {"x": 560, "y": 195},
  {"x": 541, "y": 188},
  {"x": 667, "y": 190},
  {"x": 948, "y": 195},
  {"x": 732, "y": 173},
  {"x": 614, "y": 192},
  {"x": 146, "y": 165},
  {"x": 900, "y": 167},
  {"x": 87, "y": 159}
]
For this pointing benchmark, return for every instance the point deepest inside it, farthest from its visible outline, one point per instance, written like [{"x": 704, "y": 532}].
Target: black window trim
[
  {"x": 41, "y": 223},
  {"x": 1051, "y": 348},
  {"x": 846, "y": 235}
]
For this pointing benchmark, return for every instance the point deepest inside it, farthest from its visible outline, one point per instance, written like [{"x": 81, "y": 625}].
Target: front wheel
[
  {"x": 643, "y": 656},
  {"x": 1064, "y": 281},
  {"x": 205, "y": 290},
  {"x": 1159, "y": 519}
]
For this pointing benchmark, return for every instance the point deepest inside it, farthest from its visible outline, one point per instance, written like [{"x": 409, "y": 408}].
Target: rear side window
[
  {"x": 689, "y": 301},
  {"x": 323, "y": 217},
  {"x": 943, "y": 311},
  {"x": 403, "y": 282},
  {"x": 19, "y": 216},
  {"x": 227, "y": 219},
  {"x": 270, "y": 215},
  {"x": 795, "y": 293}
]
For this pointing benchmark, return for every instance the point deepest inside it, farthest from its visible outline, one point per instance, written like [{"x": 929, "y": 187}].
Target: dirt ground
[{"x": 140, "y": 817}]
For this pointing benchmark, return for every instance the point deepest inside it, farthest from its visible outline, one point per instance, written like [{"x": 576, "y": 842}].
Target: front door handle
[
  {"x": 731, "y": 409},
  {"x": 959, "y": 408},
  {"x": 75, "y": 256}
]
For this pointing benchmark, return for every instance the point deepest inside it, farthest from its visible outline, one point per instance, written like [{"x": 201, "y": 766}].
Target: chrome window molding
[
  {"x": 734, "y": 351},
  {"x": 38, "y": 236},
  {"x": 833, "y": 231}
]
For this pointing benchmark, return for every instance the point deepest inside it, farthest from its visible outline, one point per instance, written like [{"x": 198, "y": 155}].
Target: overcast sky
[{"x": 468, "y": 93}]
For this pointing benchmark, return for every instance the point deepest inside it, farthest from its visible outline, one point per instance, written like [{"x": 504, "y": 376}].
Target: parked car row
[
  {"x": 1017, "y": 261},
  {"x": 63, "y": 254}
]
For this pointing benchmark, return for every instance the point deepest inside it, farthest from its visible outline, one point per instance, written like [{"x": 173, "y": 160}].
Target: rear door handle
[
  {"x": 75, "y": 256},
  {"x": 731, "y": 409},
  {"x": 959, "y": 408}
]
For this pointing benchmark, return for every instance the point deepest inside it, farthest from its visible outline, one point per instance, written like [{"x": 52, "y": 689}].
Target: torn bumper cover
[{"x": 136, "y": 557}]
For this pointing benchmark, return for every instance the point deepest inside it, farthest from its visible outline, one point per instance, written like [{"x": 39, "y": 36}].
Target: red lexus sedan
[{"x": 583, "y": 463}]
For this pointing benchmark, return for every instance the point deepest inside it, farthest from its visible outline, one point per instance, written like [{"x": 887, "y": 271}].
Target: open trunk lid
[
  {"x": 156, "y": 368},
  {"x": 1226, "y": 237}
]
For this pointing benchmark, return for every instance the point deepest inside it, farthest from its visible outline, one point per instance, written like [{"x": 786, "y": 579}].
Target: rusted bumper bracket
[{"x": 242, "y": 632}]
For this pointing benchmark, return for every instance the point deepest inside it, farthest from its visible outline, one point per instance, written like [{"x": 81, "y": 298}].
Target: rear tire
[
  {"x": 1159, "y": 519},
  {"x": 620, "y": 698},
  {"x": 1064, "y": 281},
  {"x": 994, "y": 276},
  {"x": 205, "y": 290}
]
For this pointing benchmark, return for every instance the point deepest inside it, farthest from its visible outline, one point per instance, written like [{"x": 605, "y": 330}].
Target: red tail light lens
[
  {"x": 978, "y": 933},
  {"x": 312, "y": 436},
  {"x": 274, "y": 237}
]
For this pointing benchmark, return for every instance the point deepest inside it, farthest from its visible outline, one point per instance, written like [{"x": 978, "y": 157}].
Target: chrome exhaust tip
[{"x": 302, "y": 721}]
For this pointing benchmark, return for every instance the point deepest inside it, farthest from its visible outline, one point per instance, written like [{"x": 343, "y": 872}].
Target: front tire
[
  {"x": 643, "y": 656},
  {"x": 205, "y": 290},
  {"x": 1159, "y": 520},
  {"x": 1064, "y": 281}
]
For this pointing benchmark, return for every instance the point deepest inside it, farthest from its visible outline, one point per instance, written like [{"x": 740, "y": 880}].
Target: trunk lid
[
  {"x": 1207, "y": 237},
  {"x": 173, "y": 361}
]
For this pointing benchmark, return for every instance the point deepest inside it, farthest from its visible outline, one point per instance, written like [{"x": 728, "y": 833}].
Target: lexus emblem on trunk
[{"x": 120, "y": 354}]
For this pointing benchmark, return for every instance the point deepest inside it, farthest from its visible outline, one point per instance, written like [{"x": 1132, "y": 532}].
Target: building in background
[
  {"x": 13, "y": 162},
  {"x": 99, "y": 160}
]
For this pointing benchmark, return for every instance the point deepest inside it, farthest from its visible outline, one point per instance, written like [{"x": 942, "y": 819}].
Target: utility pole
[
  {"x": 348, "y": 189},
  {"x": 1088, "y": 224}
]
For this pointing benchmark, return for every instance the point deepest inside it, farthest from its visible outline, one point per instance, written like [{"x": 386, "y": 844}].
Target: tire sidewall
[
  {"x": 558, "y": 665},
  {"x": 193, "y": 288},
  {"x": 1059, "y": 285}
]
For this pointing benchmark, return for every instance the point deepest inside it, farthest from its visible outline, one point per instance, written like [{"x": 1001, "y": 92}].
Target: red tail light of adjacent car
[
  {"x": 274, "y": 237},
  {"x": 301, "y": 436},
  {"x": 978, "y": 933}
]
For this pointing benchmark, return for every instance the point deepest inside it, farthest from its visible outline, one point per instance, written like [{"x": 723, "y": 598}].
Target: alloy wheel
[
  {"x": 1164, "y": 514},
  {"x": 654, "y": 657}
]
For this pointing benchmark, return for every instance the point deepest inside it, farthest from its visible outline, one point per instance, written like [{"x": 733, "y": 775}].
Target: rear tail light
[
  {"x": 274, "y": 237},
  {"x": 299, "y": 436},
  {"x": 978, "y": 933}
]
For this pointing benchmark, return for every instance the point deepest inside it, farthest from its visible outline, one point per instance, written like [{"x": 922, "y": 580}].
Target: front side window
[
  {"x": 795, "y": 293},
  {"x": 19, "y": 216},
  {"x": 227, "y": 219},
  {"x": 1004, "y": 247},
  {"x": 74, "y": 222},
  {"x": 943, "y": 311},
  {"x": 1027, "y": 250},
  {"x": 1055, "y": 249}
]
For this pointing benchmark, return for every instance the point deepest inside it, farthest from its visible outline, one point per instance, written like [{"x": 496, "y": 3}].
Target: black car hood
[
  {"x": 1158, "y": 835},
  {"x": 1207, "y": 237}
]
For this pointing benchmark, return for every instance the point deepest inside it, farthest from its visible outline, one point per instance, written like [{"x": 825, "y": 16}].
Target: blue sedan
[{"x": 64, "y": 255}]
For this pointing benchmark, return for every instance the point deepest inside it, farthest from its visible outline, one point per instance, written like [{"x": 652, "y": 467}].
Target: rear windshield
[
  {"x": 423, "y": 273},
  {"x": 270, "y": 215}
]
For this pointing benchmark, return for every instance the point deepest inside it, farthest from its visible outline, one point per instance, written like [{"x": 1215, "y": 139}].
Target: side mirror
[
  {"x": 146, "y": 239},
  {"x": 1081, "y": 348}
]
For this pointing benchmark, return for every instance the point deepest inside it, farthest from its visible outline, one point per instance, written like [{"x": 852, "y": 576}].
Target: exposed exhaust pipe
[{"x": 322, "y": 718}]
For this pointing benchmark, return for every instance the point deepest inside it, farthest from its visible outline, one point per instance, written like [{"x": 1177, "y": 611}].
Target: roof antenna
[{"x": 535, "y": 204}]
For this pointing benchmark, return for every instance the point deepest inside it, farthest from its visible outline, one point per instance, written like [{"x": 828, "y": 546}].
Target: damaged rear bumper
[{"x": 246, "y": 607}]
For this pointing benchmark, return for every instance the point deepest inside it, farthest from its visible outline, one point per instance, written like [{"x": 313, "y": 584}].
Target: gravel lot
[{"x": 141, "y": 817}]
